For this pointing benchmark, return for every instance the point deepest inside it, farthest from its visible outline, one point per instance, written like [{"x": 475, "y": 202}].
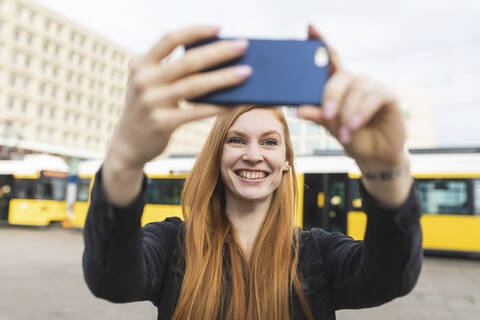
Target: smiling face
[{"x": 254, "y": 156}]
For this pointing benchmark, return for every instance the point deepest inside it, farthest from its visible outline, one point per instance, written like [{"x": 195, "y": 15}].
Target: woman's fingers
[
  {"x": 172, "y": 40},
  {"x": 194, "y": 60},
  {"x": 196, "y": 85},
  {"x": 350, "y": 103},
  {"x": 200, "y": 111},
  {"x": 310, "y": 113},
  {"x": 370, "y": 103},
  {"x": 335, "y": 63}
]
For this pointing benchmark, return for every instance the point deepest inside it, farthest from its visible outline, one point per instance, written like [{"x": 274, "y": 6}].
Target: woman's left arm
[{"x": 366, "y": 119}]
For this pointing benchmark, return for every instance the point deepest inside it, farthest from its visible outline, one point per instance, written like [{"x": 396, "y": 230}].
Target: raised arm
[
  {"x": 123, "y": 262},
  {"x": 367, "y": 121}
]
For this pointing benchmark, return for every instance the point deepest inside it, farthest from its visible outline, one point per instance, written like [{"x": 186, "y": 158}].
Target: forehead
[{"x": 257, "y": 121}]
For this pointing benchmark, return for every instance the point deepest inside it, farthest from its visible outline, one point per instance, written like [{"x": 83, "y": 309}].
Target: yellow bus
[
  {"x": 85, "y": 174},
  {"x": 165, "y": 179},
  {"x": 448, "y": 181},
  {"x": 33, "y": 190},
  {"x": 329, "y": 196}
]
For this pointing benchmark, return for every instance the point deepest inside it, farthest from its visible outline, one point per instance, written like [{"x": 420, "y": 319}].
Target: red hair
[{"x": 259, "y": 287}]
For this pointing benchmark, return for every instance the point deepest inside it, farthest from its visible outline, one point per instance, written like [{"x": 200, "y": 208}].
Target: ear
[{"x": 286, "y": 166}]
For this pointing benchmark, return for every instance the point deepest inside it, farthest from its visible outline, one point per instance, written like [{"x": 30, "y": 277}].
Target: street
[{"x": 41, "y": 278}]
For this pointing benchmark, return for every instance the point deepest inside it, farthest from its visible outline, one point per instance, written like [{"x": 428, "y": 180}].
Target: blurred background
[{"x": 63, "y": 73}]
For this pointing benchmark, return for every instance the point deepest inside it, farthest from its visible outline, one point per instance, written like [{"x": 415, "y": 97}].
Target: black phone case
[{"x": 285, "y": 72}]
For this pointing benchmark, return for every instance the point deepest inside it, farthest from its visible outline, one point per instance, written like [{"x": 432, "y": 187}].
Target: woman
[{"x": 238, "y": 255}]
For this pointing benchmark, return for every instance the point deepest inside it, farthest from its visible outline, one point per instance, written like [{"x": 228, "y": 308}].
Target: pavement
[{"x": 41, "y": 278}]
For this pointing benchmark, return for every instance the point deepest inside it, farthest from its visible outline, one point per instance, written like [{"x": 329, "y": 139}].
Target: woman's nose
[{"x": 252, "y": 154}]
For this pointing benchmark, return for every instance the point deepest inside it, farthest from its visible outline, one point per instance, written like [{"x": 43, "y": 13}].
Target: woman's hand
[
  {"x": 366, "y": 119},
  {"x": 152, "y": 113},
  {"x": 156, "y": 85}
]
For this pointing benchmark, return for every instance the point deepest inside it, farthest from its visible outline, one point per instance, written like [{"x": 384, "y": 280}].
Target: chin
[{"x": 252, "y": 196}]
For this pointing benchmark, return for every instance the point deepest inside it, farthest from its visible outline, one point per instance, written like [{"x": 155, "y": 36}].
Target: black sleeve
[
  {"x": 123, "y": 262},
  {"x": 385, "y": 265}
]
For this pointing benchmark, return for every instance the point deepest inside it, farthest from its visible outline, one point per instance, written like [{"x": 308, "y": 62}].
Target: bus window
[
  {"x": 476, "y": 196},
  {"x": 25, "y": 188},
  {"x": 52, "y": 188},
  {"x": 337, "y": 194},
  {"x": 83, "y": 189},
  {"x": 164, "y": 191},
  {"x": 356, "y": 197},
  {"x": 444, "y": 196}
]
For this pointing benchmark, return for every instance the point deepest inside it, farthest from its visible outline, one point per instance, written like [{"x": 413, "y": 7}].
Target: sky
[{"x": 427, "y": 44}]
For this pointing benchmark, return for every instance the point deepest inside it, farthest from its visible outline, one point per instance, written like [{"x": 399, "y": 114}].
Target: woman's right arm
[{"x": 122, "y": 261}]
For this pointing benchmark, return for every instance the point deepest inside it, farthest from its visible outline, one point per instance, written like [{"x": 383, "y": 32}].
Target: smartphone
[{"x": 285, "y": 72}]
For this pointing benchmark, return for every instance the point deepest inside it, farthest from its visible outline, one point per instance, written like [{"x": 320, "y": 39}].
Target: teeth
[{"x": 251, "y": 175}]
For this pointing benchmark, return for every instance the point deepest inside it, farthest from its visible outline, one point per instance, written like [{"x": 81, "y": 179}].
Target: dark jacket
[{"x": 123, "y": 262}]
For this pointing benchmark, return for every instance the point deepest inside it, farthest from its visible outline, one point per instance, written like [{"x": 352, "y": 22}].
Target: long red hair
[{"x": 218, "y": 279}]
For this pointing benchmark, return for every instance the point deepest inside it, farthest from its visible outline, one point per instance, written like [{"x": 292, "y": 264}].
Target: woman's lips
[{"x": 251, "y": 176}]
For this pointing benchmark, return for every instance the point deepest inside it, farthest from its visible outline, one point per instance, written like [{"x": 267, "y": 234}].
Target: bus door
[
  {"x": 337, "y": 203},
  {"x": 325, "y": 201},
  {"x": 6, "y": 193}
]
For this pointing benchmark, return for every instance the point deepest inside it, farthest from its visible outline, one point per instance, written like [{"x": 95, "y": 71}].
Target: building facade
[
  {"x": 61, "y": 85},
  {"x": 62, "y": 89}
]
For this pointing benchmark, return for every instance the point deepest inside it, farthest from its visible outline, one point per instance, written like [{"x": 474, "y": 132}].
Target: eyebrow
[{"x": 267, "y": 133}]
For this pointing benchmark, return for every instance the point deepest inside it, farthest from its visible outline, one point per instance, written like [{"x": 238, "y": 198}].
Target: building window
[
  {"x": 48, "y": 24},
  {"x": 73, "y": 36},
  {"x": 41, "y": 89},
  {"x": 46, "y": 45},
  {"x": 14, "y": 58},
  {"x": 53, "y": 112},
  {"x": 53, "y": 93},
  {"x": 18, "y": 81},
  {"x": 40, "y": 110},
  {"x": 11, "y": 103},
  {"x": 24, "y": 106},
  {"x": 22, "y": 36}
]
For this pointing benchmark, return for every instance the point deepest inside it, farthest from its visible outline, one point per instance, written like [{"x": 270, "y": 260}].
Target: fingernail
[
  {"x": 344, "y": 135},
  {"x": 355, "y": 122},
  {"x": 329, "y": 109},
  {"x": 239, "y": 45},
  {"x": 242, "y": 72}
]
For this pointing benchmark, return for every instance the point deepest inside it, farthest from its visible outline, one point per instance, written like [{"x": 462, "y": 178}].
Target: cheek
[
  {"x": 229, "y": 157},
  {"x": 277, "y": 160}
]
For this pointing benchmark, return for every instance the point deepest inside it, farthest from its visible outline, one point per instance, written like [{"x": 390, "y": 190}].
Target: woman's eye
[
  {"x": 271, "y": 142},
  {"x": 234, "y": 140}
]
